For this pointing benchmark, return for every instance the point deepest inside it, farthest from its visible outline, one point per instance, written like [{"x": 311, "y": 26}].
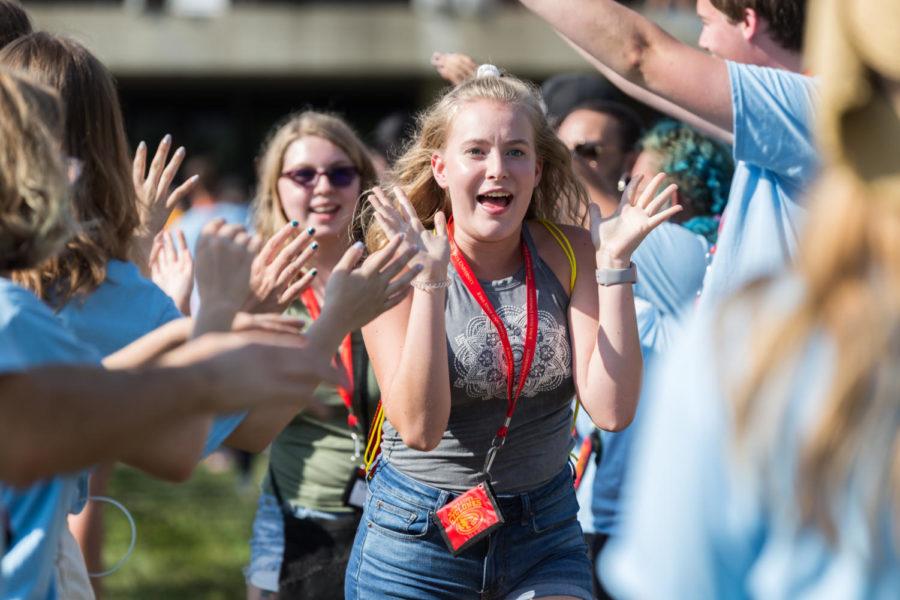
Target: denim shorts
[{"x": 399, "y": 552}]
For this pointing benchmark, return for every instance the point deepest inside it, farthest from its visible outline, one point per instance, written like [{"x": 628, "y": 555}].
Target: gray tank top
[{"x": 539, "y": 438}]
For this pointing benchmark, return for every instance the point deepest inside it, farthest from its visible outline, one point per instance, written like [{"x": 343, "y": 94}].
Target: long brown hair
[
  {"x": 268, "y": 213},
  {"x": 559, "y": 197},
  {"x": 35, "y": 215},
  {"x": 103, "y": 198},
  {"x": 849, "y": 265}
]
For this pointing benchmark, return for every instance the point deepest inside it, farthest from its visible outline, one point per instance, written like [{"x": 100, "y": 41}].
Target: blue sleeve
[
  {"x": 773, "y": 119},
  {"x": 31, "y": 336},
  {"x": 678, "y": 492},
  {"x": 222, "y": 427}
]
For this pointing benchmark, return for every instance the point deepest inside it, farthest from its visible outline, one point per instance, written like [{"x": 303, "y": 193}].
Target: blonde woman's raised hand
[
  {"x": 278, "y": 275},
  {"x": 153, "y": 187},
  {"x": 355, "y": 294},
  {"x": 433, "y": 244},
  {"x": 172, "y": 268},
  {"x": 454, "y": 67},
  {"x": 640, "y": 211},
  {"x": 224, "y": 257}
]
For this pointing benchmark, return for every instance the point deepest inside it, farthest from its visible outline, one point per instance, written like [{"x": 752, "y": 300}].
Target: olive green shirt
[{"x": 313, "y": 459}]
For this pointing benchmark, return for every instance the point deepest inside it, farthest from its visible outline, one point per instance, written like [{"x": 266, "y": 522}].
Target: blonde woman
[
  {"x": 311, "y": 173},
  {"x": 473, "y": 494},
  {"x": 770, "y": 461}
]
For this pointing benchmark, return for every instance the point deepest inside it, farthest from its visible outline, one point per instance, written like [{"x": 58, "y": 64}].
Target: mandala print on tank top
[{"x": 481, "y": 369}]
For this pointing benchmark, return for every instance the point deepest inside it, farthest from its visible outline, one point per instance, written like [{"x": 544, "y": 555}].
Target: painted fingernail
[
  {"x": 295, "y": 223},
  {"x": 141, "y": 146},
  {"x": 167, "y": 139},
  {"x": 309, "y": 230},
  {"x": 313, "y": 272},
  {"x": 314, "y": 245},
  {"x": 358, "y": 245},
  {"x": 180, "y": 151}
]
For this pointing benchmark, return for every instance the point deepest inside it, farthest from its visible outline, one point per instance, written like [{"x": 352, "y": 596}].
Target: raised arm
[
  {"x": 353, "y": 297},
  {"x": 407, "y": 345},
  {"x": 122, "y": 410},
  {"x": 607, "y": 361},
  {"x": 639, "y": 51},
  {"x": 652, "y": 100}
]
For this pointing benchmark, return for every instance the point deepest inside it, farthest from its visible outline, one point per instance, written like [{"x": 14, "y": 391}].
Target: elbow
[
  {"x": 421, "y": 440},
  {"x": 174, "y": 473},
  {"x": 615, "y": 423}
]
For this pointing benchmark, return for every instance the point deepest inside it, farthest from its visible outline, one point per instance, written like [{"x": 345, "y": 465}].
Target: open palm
[
  {"x": 620, "y": 234},
  {"x": 433, "y": 245}
]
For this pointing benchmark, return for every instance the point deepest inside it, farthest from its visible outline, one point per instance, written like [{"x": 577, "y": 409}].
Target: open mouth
[
  {"x": 325, "y": 209},
  {"x": 494, "y": 202}
]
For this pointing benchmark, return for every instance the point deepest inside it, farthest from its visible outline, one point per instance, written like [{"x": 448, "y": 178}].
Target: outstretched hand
[
  {"x": 454, "y": 67},
  {"x": 618, "y": 236},
  {"x": 155, "y": 200},
  {"x": 172, "y": 268},
  {"x": 433, "y": 245},
  {"x": 225, "y": 254},
  {"x": 278, "y": 275}
]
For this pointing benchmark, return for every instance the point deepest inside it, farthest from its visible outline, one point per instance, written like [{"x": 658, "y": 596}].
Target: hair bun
[{"x": 487, "y": 71}]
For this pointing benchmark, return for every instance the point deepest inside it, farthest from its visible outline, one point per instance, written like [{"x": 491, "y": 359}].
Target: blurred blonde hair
[
  {"x": 269, "y": 215},
  {"x": 849, "y": 263},
  {"x": 103, "y": 198},
  {"x": 35, "y": 216},
  {"x": 559, "y": 197}
]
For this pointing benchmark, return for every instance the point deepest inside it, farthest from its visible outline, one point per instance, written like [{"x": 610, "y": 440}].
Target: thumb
[{"x": 350, "y": 257}]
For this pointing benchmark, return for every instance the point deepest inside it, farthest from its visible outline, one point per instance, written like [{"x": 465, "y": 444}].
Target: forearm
[
  {"x": 171, "y": 451},
  {"x": 613, "y": 382},
  {"x": 149, "y": 347},
  {"x": 213, "y": 318},
  {"x": 615, "y": 35},
  {"x": 117, "y": 409},
  {"x": 653, "y": 100},
  {"x": 417, "y": 401},
  {"x": 260, "y": 427}
]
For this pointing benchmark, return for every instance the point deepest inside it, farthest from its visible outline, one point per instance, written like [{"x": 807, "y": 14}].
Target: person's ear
[
  {"x": 750, "y": 25},
  {"x": 538, "y": 171},
  {"x": 439, "y": 170}
]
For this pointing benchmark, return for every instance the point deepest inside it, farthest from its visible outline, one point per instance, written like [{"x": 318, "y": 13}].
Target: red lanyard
[
  {"x": 346, "y": 356},
  {"x": 468, "y": 278}
]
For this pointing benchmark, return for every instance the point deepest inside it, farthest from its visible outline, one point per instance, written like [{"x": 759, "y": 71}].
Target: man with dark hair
[
  {"x": 785, "y": 19},
  {"x": 602, "y": 136},
  {"x": 14, "y": 22},
  {"x": 745, "y": 89}
]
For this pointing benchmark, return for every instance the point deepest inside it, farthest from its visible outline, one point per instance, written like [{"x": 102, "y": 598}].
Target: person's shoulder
[{"x": 19, "y": 306}]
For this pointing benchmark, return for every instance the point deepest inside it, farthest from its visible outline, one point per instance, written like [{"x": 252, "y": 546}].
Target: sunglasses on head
[{"x": 337, "y": 176}]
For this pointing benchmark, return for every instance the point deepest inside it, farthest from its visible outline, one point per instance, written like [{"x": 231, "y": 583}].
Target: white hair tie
[{"x": 487, "y": 71}]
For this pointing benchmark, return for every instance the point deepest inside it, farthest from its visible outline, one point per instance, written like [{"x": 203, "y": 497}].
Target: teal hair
[{"x": 702, "y": 168}]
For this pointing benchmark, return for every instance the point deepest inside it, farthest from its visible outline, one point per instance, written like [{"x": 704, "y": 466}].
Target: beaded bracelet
[{"x": 427, "y": 286}]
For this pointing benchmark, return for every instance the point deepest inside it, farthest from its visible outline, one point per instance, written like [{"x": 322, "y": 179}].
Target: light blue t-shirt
[
  {"x": 31, "y": 335},
  {"x": 671, "y": 263},
  {"x": 699, "y": 523},
  {"x": 775, "y": 161},
  {"x": 124, "y": 308}
]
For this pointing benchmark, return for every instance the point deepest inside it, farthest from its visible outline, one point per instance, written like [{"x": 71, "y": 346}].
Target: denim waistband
[{"x": 390, "y": 481}]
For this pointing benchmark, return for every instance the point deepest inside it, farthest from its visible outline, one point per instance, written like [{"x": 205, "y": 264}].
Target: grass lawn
[{"x": 192, "y": 538}]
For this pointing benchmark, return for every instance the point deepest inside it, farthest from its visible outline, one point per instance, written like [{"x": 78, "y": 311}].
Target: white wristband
[{"x": 608, "y": 277}]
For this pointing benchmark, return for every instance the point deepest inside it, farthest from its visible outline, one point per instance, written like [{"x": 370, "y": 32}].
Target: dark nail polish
[
  {"x": 310, "y": 230},
  {"x": 313, "y": 272},
  {"x": 314, "y": 245},
  {"x": 295, "y": 223}
]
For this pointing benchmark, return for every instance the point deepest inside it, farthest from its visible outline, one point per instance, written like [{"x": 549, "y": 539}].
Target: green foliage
[{"x": 192, "y": 538}]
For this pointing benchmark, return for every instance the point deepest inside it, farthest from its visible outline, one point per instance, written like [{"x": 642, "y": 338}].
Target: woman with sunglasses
[{"x": 311, "y": 173}]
